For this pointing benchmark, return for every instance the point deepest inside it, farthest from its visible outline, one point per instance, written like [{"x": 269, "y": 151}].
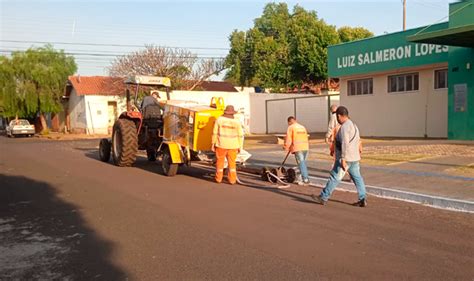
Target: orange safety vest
[
  {"x": 227, "y": 133},
  {"x": 296, "y": 138}
]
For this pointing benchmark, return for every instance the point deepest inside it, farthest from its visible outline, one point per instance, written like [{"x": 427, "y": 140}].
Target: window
[
  {"x": 441, "y": 79},
  {"x": 360, "y": 87},
  {"x": 403, "y": 83}
]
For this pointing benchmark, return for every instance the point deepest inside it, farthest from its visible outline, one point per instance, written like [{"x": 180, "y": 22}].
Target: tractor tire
[
  {"x": 124, "y": 143},
  {"x": 105, "y": 148},
  {"x": 169, "y": 168},
  {"x": 151, "y": 154}
]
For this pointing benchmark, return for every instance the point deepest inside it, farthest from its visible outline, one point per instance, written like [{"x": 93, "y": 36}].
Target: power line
[
  {"x": 109, "y": 45},
  {"x": 112, "y": 55}
]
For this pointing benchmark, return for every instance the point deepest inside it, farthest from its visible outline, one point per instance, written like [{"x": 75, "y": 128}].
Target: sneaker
[
  {"x": 318, "y": 199},
  {"x": 361, "y": 203},
  {"x": 304, "y": 183}
]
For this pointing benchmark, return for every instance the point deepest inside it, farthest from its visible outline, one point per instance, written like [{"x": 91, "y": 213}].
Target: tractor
[
  {"x": 177, "y": 132},
  {"x": 137, "y": 128}
]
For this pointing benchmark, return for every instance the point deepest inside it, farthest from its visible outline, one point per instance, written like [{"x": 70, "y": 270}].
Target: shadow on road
[
  {"x": 206, "y": 175},
  {"x": 43, "y": 237}
]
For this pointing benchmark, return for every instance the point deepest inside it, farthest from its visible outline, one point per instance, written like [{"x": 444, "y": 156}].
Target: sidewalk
[{"x": 435, "y": 168}]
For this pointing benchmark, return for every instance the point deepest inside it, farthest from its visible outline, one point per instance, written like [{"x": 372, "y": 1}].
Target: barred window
[
  {"x": 403, "y": 83},
  {"x": 441, "y": 79},
  {"x": 360, "y": 87}
]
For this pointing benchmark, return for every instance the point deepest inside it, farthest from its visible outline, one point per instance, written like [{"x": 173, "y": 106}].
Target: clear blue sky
[{"x": 194, "y": 24}]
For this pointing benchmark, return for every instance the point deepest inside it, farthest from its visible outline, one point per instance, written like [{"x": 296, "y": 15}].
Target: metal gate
[{"x": 312, "y": 112}]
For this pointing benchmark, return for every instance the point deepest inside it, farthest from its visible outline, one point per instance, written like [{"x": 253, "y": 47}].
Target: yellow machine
[{"x": 187, "y": 130}]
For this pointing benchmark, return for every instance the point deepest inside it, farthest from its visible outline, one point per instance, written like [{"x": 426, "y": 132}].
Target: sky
[{"x": 97, "y": 31}]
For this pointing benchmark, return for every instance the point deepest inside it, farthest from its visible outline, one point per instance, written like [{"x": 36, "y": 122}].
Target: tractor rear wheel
[
  {"x": 105, "y": 148},
  {"x": 124, "y": 143},
  {"x": 169, "y": 168}
]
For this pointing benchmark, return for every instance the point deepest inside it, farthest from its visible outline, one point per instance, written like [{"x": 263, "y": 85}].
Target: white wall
[
  {"x": 311, "y": 112},
  {"x": 77, "y": 113},
  {"x": 386, "y": 114},
  {"x": 96, "y": 108}
]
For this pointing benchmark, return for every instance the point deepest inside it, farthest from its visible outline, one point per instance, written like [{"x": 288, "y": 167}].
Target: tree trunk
[{"x": 44, "y": 126}]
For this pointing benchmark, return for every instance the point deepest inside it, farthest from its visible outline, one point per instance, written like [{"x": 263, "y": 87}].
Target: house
[{"x": 94, "y": 103}]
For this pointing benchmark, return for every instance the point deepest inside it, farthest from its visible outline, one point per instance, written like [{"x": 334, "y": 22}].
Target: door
[{"x": 112, "y": 111}]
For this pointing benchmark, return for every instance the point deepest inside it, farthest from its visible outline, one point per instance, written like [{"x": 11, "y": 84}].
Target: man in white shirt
[
  {"x": 332, "y": 125},
  {"x": 346, "y": 160}
]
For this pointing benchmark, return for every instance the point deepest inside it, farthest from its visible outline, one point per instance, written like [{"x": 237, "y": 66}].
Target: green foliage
[
  {"x": 309, "y": 39},
  {"x": 33, "y": 81},
  {"x": 283, "y": 50},
  {"x": 347, "y": 34}
]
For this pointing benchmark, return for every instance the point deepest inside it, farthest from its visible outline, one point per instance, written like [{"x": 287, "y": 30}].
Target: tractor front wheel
[
  {"x": 124, "y": 143},
  {"x": 105, "y": 148},
  {"x": 169, "y": 168}
]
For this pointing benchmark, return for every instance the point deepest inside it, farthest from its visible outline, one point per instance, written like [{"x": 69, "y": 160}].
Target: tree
[
  {"x": 347, "y": 34},
  {"x": 282, "y": 50},
  {"x": 32, "y": 82},
  {"x": 309, "y": 39},
  {"x": 184, "y": 68}
]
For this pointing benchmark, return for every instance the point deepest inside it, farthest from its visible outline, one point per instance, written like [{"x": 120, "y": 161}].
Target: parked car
[{"x": 20, "y": 127}]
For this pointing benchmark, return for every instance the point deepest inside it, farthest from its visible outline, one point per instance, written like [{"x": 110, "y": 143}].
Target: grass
[
  {"x": 377, "y": 158},
  {"x": 389, "y": 159},
  {"x": 467, "y": 170}
]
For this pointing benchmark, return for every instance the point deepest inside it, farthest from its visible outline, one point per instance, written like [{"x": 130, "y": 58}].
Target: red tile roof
[
  {"x": 96, "y": 85},
  {"x": 219, "y": 86}
]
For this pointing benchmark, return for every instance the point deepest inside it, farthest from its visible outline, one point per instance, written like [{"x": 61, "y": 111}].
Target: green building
[{"x": 415, "y": 83}]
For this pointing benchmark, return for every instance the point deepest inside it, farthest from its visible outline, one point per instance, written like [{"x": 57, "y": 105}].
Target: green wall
[{"x": 461, "y": 121}]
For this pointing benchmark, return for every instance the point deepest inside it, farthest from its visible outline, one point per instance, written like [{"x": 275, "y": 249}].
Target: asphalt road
[{"x": 66, "y": 215}]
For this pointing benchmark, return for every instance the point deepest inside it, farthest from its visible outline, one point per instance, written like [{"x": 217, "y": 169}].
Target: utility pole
[{"x": 404, "y": 15}]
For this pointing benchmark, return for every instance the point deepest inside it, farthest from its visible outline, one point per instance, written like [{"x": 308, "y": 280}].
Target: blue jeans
[
  {"x": 336, "y": 175},
  {"x": 301, "y": 157}
]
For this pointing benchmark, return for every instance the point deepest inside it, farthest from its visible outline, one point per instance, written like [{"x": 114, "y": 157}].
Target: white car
[{"x": 20, "y": 127}]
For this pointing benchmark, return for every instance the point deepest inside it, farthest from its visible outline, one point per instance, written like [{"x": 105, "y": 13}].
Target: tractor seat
[{"x": 152, "y": 116}]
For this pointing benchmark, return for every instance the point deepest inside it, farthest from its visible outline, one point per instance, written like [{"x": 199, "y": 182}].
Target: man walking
[
  {"x": 332, "y": 125},
  {"x": 347, "y": 160},
  {"x": 227, "y": 140},
  {"x": 296, "y": 142}
]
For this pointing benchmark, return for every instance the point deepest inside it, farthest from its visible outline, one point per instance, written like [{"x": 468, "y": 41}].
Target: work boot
[
  {"x": 318, "y": 199},
  {"x": 361, "y": 203}
]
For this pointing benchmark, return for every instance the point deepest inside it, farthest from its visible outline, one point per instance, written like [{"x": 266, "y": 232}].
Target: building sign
[
  {"x": 384, "y": 53},
  {"x": 460, "y": 97},
  {"x": 392, "y": 54}
]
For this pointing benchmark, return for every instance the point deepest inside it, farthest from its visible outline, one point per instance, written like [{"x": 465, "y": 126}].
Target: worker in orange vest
[
  {"x": 296, "y": 142},
  {"x": 227, "y": 140}
]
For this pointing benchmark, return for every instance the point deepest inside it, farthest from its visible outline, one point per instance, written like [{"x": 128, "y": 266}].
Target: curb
[
  {"x": 396, "y": 194},
  {"x": 408, "y": 196}
]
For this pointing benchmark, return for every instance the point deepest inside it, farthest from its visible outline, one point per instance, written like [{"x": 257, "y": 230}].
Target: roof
[
  {"x": 462, "y": 36},
  {"x": 96, "y": 85},
  {"x": 217, "y": 86}
]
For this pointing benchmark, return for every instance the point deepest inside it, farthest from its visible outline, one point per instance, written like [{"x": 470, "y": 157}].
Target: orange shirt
[
  {"x": 296, "y": 138},
  {"x": 227, "y": 133}
]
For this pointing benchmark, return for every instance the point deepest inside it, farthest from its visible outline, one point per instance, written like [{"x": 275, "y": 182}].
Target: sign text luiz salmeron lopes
[{"x": 390, "y": 54}]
